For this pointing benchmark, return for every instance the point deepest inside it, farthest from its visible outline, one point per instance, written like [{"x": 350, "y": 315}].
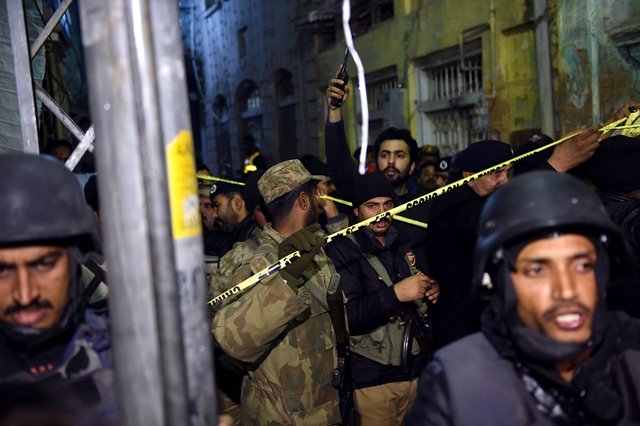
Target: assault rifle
[
  {"x": 342, "y": 374},
  {"x": 414, "y": 320}
]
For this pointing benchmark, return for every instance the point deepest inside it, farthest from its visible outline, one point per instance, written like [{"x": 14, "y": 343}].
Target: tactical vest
[{"x": 384, "y": 344}]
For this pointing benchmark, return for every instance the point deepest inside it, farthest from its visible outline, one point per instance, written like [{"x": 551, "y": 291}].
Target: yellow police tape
[
  {"x": 288, "y": 259},
  {"x": 397, "y": 217},
  {"x": 217, "y": 179},
  {"x": 281, "y": 263}
]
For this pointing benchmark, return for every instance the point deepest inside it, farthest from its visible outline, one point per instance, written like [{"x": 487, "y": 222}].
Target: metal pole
[
  {"x": 543, "y": 54},
  {"x": 60, "y": 114},
  {"x": 147, "y": 334},
  {"x": 187, "y": 232},
  {"x": 86, "y": 143},
  {"x": 22, "y": 66},
  {"x": 86, "y": 139},
  {"x": 51, "y": 24}
]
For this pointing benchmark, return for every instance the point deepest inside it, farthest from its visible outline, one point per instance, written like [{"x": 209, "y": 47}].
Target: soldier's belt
[{"x": 281, "y": 263}]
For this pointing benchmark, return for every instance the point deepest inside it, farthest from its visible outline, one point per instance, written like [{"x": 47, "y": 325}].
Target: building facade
[{"x": 451, "y": 71}]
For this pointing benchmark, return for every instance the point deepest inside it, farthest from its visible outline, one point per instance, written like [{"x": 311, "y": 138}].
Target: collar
[
  {"x": 271, "y": 233},
  {"x": 369, "y": 243}
]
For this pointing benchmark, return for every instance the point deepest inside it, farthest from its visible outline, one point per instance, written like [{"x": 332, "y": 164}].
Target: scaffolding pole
[
  {"x": 22, "y": 67},
  {"x": 135, "y": 70}
]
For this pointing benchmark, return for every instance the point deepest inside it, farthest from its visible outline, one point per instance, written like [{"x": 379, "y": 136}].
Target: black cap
[
  {"x": 535, "y": 161},
  {"x": 482, "y": 155},
  {"x": 444, "y": 164},
  {"x": 315, "y": 166},
  {"x": 615, "y": 164},
  {"x": 371, "y": 185},
  {"x": 218, "y": 187},
  {"x": 250, "y": 192}
]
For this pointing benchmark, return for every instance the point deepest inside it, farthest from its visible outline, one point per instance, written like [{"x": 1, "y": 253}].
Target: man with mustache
[
  {"x": 383, "y": 369},
  {"x": 452, "y": 233},
  {"x": 549, "y": 353},
  {"x": 396, "y": 153},
  {"x": 47, "y": 338},
  {"x": 231, "y": 212}
]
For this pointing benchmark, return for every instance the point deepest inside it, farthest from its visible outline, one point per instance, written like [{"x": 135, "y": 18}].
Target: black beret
[
  {"x": 371, "y": 185},
  {"x": 483, "y": 155},
  {"x": 615, "y": 164}
]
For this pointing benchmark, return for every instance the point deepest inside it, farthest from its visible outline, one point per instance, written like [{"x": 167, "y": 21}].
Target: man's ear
[
  {"x": 412, "y": 168},
  {"x": 237, "y": 202},
  {"x": 303, "y": 200},
  {"x": 355, "y": 212},
  {"x": 472, "y": 184}
]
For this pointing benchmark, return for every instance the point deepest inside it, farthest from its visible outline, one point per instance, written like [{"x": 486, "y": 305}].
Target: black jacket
[
  {"x": 371, "y": 303},
  {"x": 624, "y": 290},
  {"x": 478, "y": 381},
  {"x": 452, "y": 235}
]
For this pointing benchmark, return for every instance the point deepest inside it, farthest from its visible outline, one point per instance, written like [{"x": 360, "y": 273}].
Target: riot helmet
[
  {"x": 533, "y": 206},
  {"x": 43, "y": 201},
  {"x": 540, "y": 203}
]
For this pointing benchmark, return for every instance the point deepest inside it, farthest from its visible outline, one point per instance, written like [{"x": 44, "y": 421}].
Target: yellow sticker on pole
[{"x": 183, "y": 187}]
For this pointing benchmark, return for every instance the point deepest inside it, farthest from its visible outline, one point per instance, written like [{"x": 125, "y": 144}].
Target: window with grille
[
  {"x": 367, "y": 13},
  {"x": 377, "y": 90},
  {"x": 450, "y": 96}
]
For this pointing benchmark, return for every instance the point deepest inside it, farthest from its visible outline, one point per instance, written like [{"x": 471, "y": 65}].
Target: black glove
[{"x": 307, "y": 243}]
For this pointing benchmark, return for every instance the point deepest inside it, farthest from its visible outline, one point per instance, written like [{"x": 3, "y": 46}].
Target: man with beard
[
  {"x": 379, "y": 279},
  {"x": 48, "y": 340},
  {"x": 281, "y": 326},
  {"x": 216, "y": 243},
  {"x": 396, "y": 154},
  {"x": 549, "y": 352},
  {"x": 428, "y": 178},
  {"x": 231, "y": 212}
]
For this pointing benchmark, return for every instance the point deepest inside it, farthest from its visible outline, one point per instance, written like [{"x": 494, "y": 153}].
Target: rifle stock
[{"x": 342, "y": 374}]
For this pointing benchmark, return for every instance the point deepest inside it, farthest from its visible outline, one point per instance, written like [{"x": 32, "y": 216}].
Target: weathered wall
[
  {"x": 617, "y": 78},
  {"x": 277, "y": 37}
]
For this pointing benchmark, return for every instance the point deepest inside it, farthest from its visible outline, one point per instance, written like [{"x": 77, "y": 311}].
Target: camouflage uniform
[
  {"x": 287, "y": 336},
  {"x": 231, "y": 261}
]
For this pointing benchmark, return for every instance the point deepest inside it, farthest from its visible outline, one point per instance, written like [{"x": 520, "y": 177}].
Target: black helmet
[
  {"x": 537, "y": 203},
  {"x": 41, "y": 201}
]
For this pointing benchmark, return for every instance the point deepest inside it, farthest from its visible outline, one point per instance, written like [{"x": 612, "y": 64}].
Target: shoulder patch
[{"x": 258, "y": 263}]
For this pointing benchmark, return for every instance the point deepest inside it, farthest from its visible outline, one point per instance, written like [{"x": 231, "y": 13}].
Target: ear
[
  {"x": 472, "y": 184},
  {"x": 412, "y": 168},
  {"x": 355, "y": 212},
  {"x": 303, "y": 200},
  {"x": 237, "y": 202}
]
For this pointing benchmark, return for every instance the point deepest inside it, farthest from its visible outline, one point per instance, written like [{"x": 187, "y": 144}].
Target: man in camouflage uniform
[
  {"x": 229, "y": 371},
  {"x": 281, "y": 326}
]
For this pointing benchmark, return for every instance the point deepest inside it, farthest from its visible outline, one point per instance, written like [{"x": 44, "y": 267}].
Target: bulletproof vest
[
  {"x": 84, "y": 373},
  {"x": 384, "y": 344}
]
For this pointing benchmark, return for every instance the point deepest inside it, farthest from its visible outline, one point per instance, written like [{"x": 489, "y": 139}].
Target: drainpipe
[
  {"x": 494, "y": 51},
  {"x": 543, "y": 56},
  {"x": 593, "y": 22}
]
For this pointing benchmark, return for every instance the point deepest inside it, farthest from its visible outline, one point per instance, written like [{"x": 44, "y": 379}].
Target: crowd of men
[{"x": 505, "y": 300}]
